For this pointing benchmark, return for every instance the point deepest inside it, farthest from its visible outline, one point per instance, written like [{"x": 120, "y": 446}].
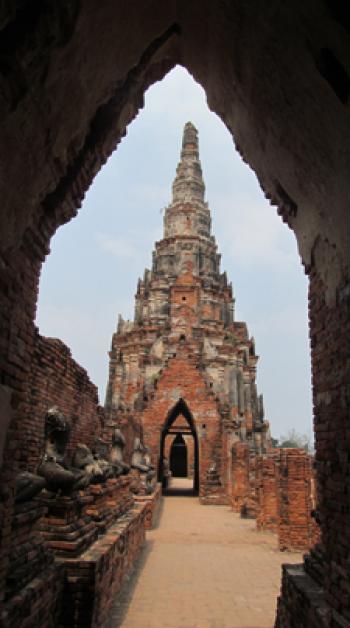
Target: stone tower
[{"x": 184, "y": 369}]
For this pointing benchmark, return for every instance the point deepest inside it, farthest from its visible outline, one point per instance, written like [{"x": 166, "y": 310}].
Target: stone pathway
[{"x": 203, "y": 567}]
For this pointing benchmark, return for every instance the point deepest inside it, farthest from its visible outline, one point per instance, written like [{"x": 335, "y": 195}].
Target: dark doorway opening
[
  {"x": 179, "y": 431},
  {"x": 178, "y": 457}
]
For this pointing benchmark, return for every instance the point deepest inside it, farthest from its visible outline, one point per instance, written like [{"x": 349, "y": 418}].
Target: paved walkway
[{"x": 203, "y": 567}]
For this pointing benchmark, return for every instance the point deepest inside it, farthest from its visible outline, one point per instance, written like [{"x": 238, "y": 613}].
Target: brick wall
[
  {"x": 281, "y": 486},
  {"x": 56, "y": 379},
  {"x": 295, "y": 524}
]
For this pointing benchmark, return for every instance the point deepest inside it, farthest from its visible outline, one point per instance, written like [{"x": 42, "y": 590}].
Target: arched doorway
[
  {"x": 178, "y": 457},
  {"x": 179, "y": 449}
]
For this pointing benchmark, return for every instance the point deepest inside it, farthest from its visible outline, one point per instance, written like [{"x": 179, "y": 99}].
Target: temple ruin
[{"x": 184, "y": 368}]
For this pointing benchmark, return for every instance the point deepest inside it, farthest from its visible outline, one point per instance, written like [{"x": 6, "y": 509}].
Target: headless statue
[
  {"x": 117, "y": 453},
  {"x": 58, "y": 474},
  {"x": 137, "y": 459},
  {"x": 100, "y": 452},
  {"x": 85, "y": 462},
  {"x": 141, "y": 461}
]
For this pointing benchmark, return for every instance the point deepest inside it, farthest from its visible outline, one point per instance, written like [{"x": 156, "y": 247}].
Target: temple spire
[{"x": 188, "y": 185}]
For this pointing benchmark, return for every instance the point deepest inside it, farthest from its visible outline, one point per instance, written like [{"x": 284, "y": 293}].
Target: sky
[{"x": 91, "y": 274}]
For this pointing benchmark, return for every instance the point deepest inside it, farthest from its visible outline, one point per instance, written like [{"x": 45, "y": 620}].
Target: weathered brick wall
[
  {"x": 281, "y": 486},
  {"x": 267, "y": 492},
  {"x": 181, "y": 379},
  {"x": 56, "y": 379},
  {"x": 330, "y": 343},
  {"x": 295, "y": 524},
  {"x": 239, "y": 475}
]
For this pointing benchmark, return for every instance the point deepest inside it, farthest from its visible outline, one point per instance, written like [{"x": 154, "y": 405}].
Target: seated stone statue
[
  {"x": 58, "y": 474},
  {"x": 100, "y": 452},
  {"x": 116, "y": 453},
  {"x": 85, "y": 461},
  {"x": 28, "y": 485},
  {"x": 137, "y": 459},
  {"x": 141, "y": 461}
]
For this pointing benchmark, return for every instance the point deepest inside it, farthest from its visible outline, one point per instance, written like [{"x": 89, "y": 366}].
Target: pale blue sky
[{"x": 96, "y": 259}]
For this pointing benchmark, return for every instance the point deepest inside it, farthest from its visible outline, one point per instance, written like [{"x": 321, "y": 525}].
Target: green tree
[{"x": 295, "y": 439}]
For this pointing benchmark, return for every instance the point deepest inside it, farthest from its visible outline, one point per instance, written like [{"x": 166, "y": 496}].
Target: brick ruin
[
  {"x": 278, "y": 76},
  {"x": 184, "y": 365},
  {"x": 278, "y": 490}
]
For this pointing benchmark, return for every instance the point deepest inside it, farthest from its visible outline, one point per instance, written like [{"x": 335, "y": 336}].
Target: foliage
[{"x": 295, "y": 439}]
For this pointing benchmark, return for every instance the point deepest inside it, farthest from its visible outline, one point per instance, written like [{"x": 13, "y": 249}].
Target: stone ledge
[
  {"x": 95, "y": 577},
  {"x": 302, "y": 602},
  {"x": 152, "y": 504}
]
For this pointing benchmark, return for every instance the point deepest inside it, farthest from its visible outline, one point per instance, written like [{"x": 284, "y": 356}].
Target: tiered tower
[{"x": 184, "y": 360}]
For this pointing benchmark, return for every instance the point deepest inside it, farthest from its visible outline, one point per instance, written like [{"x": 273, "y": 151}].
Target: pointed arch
[{"x": 180, "y": 408}]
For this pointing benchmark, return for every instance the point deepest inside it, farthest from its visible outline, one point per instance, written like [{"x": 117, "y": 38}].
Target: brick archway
[
  {"x": 279, "y": 79},
  {"x": 180, "y": 409}
]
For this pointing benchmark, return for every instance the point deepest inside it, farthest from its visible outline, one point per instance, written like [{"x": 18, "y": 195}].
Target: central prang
[{"x": 183, "y": 370}]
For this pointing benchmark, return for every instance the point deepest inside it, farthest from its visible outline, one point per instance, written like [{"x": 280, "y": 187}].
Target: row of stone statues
[{"x": 87, "y": 466}]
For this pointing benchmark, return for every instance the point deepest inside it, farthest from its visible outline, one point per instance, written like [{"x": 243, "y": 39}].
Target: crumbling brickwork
[
  {"x": 281, "y": 484},
  {"x": 56, "y": 379},
  {"x": 295, "y": 524}
]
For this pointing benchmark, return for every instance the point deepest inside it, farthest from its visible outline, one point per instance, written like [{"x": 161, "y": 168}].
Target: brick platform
[
  {"x": 34, "y": 583},
  {"x": 95, "y": 578},
  {"x": 152, "y": 505}
]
